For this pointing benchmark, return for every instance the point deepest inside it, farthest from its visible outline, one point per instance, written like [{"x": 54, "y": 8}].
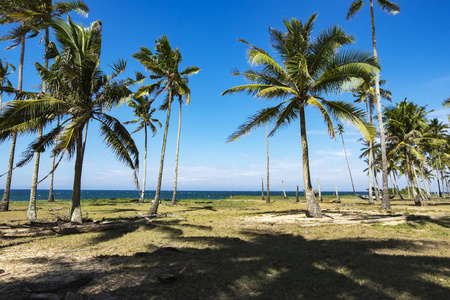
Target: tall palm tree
[
  {"x": 391, "y": 8},
  {"x": 46, "y": 12},
  {"x": 341, "y": 133},
  {"x": 312, "y": 68},
  {"x": 163, "y": 64},
  {"x": 405, "y": 124},
  {"x": 365, "y": 92},
  {"x": 8, "y": 12},
  {"x": 85, "y": 94},
  {"x": 36, "y": 16},
  {"x": 183, "y": 91},
  {"x": 6, "y": 69},
  {"x": 143, "y": 110}
]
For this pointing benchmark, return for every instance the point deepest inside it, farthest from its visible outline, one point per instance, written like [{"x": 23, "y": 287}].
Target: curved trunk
[
  {"x": 369, "y": 119},
  {"x": 4, "y": 205},
  {"x": 75, "y": 212},
  {"x": 385, "y": 204},
  {"x": 319, "y": 190},
  {"x": 416, "y": 198},
  {"x": 51, "y": 197},
  {"x": 312, "y": 206},
  {"x": 174, "y": 196},
  {"x": 141, "y": 199},
  {"x": 31, "y": 213},
  {"x": 348, "y": 165},
  {"x": 154, "y": 208},
  {"x": 436, "y": 178},
  {"x": 267, "y": 152}
]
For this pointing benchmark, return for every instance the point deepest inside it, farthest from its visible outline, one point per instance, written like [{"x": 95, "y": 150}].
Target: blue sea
[{"x": 24, "y": 194}]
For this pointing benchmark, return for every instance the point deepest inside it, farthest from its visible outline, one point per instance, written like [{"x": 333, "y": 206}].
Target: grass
[{"x": 236, "y": 254}]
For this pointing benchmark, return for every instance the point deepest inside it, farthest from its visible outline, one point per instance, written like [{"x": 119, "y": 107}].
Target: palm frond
[{"x": 355, "y": 7}]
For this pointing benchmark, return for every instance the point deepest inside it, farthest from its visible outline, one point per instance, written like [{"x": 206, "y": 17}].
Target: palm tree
[
  {"x": 183, "y": 91},
  {"x": 36, "y": 16},
  {"x": 391, "y": 8},
  {"x": 312, "y": 68},
  {"x": 143, "y": 110},
  {"x": 365, "y": 92},
  {"x": 341, "y": 132},
  {"x": 43, "y": 15},
  {"x": 8, "y": 12},
  {"x": 436, "y": 148},
  {"x": 6, "y": 69},
  {"x": 163, "y": 64},
  {"x": 85, "y": 94},
  {"x": 405, "y": 125}
]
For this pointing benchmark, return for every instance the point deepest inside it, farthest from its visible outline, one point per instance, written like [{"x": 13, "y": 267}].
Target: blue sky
[{"x": 413, "y": 47}]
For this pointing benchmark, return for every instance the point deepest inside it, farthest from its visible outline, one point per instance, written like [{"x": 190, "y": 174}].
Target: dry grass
[{"x": 240, "y": 249}]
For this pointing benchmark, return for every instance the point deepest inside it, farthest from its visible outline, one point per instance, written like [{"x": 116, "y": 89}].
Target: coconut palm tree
[
  {"x": 312, "y": 68},
  {"x": 341, "y": 131},
  {"x": 86, "y": 94},
  {"x": 8, "y": 12},
  {"x": 36, "y": 16},
  {"x": 391, "y": 8},
  {"x": 163, "y": 64},
  {"x": 183, "y": 91},
  {"x": 143, "y": 110},
  {"x": 365, "y": 92},
  {"x": 405, "y": 124}
]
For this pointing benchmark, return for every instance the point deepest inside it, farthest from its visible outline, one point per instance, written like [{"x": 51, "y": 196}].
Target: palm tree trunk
[
  {"x": 369, "y": 119},
  {"x": 284, "y": 191},
  {"x": 31, "y": 213},
  {"x": 296, "y": 195},
  {"x": 262, "y": 189},
  {"x": 141, "y": 199},
  {"x": 4, "y": 205},
  {"x": 75, "y": 212},
  {"x": 348, "y": 165},
  {"x": 267, "y": 153},
  {"x": 376, "y": 186},
  {"x": 385, "y": 204},
  {"x": 436, "y": 178},
  {"x": 319, "y": 189},
  {"x": 411, "y": 181},
  {"x": 51, "y": 197},
  {"x": 154, "y": 207},
  {"x": 396, "y": 185},
  {"x": 338, "y": 200},
  {"x": 312, "y": 206},
  {"x": 174, "y": 196}
]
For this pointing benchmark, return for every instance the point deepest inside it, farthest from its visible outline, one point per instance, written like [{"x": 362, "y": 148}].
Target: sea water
[{"x": 24, "y": 194}]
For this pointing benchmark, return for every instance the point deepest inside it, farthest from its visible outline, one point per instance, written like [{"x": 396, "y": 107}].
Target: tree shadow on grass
[
  {"x": 443, "y": 221},
  {"x": 266, "y": 265}
]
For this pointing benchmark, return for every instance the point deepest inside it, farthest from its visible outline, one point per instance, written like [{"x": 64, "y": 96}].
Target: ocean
[{"x": 24, "y": 194}]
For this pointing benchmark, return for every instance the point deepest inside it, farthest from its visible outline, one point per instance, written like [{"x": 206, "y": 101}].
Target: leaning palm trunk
[
  {"x": 369, "y": 119},
  {"x": 4, "y": 205},
  {"x": 312, "y": 206},
  {"x": 141, "y": 199},
  {"x": 376, "y": 186},
  {"x": 174, "y": 196},
  {"x": 396, "y": 185},
  {"x": 154, "y": 208},
  {"x": 348, "y": 165},
  {"x": 31, "y": 213},
  {"x": 267, "y": 152},
  {"x": 385, "y": 204},
  {"x": 409, "y": 171},
  {"x": 51, "y": 197},
  {"x": 75, "y": 212}
]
